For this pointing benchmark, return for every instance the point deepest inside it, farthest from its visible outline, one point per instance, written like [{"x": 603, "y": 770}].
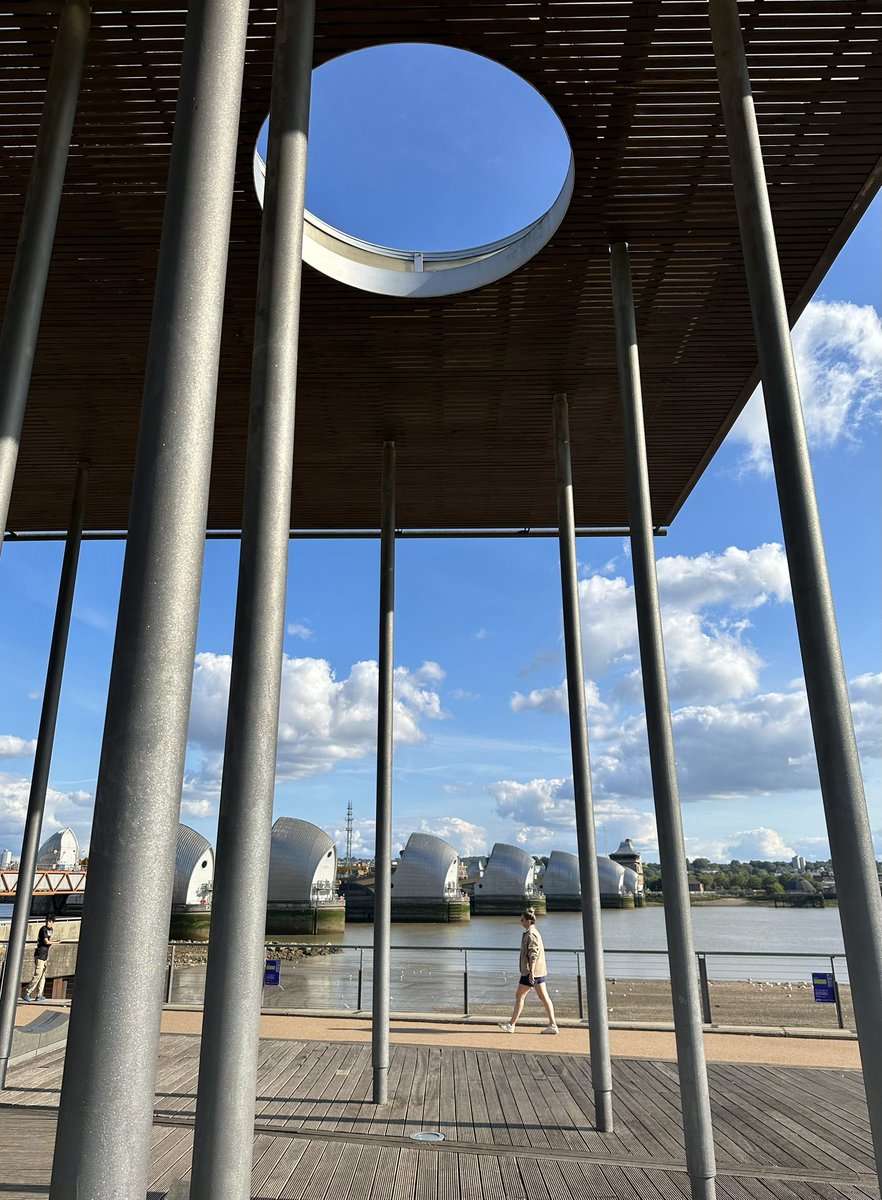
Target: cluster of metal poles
[{"x": 106, "y": 1104}]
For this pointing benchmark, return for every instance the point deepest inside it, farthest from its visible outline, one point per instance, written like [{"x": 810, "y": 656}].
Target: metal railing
[{"x": 737, "y": 988}]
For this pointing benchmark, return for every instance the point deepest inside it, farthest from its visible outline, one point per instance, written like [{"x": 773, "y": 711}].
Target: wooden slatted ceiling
[{"x": 463, "y": 384}]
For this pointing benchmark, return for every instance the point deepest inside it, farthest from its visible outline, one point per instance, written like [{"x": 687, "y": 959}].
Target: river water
[{"x": 428, "y": 962}]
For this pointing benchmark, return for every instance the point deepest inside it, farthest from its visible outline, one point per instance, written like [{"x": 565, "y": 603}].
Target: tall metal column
[
  {"x": 222, "y": 1145},
  {"x": 383, "y": 852},
  {"x": 10, "y": 989},
  {"x": 21, "y": 323},
  {"x": 851, "y": 845},
  {"x": 106, "y": 1106},
  {"x": 595, "y": 976},
  {"x": 697, "y": 1127}
]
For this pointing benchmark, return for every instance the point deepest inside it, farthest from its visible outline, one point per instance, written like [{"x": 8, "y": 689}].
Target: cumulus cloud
[
  {"x": 762, "y": 843},
  {"x": 838, "y": 350},
  {"x": 544, "y": 810},
  {"x": 554, "y": 700},
  {"x": 465, "y": 837},
  {"x": 16, "y": 747},
  {"x": 539, "y": 803},
  {"x": 63, "y": 809},
  {"x": 741, "y": 750},
  {"x": 364, "y": 834},
  {"x": 301, "y": 629},
  {"x": 323, "y": 720},
  {"x": 758, "y": 747},
  {"x": 704, "y": 600},
  {"x": 198, "y": 809}
]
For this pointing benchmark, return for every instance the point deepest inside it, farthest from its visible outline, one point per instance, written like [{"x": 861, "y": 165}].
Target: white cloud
[
  {"x": 198, "y": 808},
  {"x": 764, "y": 844},
  {"x": 63, "y": 809},
  {"x": 465, "y": 837},
  {"x": 16, "y": 747},
  {"x": 322, "y": 720},
  {"x": 741, "y": 750},
  {"x": 838, "y": 351},
  {"x": 758, "y": 747},
  {"x": 480, "y": 634},
  {"x": 363, "y": 837},
  {"x": 554, "y": 700},
  {"x": 544, "y": 809},
  {"x": 704, "y": 601},
  {"x": 301, "y": 629}
]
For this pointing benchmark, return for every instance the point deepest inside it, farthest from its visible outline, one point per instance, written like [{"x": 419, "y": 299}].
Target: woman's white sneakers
[{"x": 507, "y": 1027}]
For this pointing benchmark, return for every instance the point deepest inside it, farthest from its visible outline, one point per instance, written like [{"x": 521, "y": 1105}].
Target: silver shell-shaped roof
[
  {"x": 631, "y": 881},
  {"x": 61, "y": 850},
  {"x": 562, "y": 876},
  {"x": 428, "y": 869},
  {"x": 303, "y": 863},
  {"x": 194, "y": 867},
  {"x": 510, "y": 872}
]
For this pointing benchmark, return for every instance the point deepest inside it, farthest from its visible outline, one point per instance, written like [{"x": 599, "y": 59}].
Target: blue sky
[{"x": 482, "y": 748}]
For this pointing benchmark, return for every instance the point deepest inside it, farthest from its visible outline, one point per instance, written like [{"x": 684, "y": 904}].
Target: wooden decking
[{"x": 517, "y": 1126}]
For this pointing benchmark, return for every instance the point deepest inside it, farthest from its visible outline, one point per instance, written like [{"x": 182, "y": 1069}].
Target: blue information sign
[
  {"x": 272, "y": 973},
  {"x": 824, "y": 987}
]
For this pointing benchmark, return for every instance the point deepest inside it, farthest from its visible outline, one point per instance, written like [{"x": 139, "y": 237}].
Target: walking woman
[{"x": 534, "y": 972}]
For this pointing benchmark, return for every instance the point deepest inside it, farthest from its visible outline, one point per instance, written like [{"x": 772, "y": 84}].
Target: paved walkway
[{"x": 624, "y": 1043}]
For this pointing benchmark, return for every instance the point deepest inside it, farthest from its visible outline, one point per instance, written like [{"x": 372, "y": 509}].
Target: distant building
[
  {"x": 5, "y": 859},
  {"x": 472, "y": 866},
  {"x": 629, "y": 858},
  {"x": 302, "y": 890},
  {"x": 60, "y": 852},
  {"x": 425, "y": 884},
  {"x": 800, "y": 886},
  {"x": 797, "y": 862},
  {"x": 191, "y": 892},
  {"x": 194, "y": 869},
  {"x": 428, "y": 869},
  {"x": 509, "y": 882},
  {"x": 562, "y": 885},
  {"x": 303, "y": 864}
]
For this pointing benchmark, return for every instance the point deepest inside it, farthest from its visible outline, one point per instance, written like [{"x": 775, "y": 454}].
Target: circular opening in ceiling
[{"x": 431, "y": 170}]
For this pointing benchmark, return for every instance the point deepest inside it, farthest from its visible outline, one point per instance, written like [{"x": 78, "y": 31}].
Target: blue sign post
[
  {"x": 272, "y": 972},
  {"x": 824, "y": 987}
]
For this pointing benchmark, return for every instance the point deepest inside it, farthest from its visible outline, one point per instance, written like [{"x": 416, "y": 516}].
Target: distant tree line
[{"x": 755, "y": 878}]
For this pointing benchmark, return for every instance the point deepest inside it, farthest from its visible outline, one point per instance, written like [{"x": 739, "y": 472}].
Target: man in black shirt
[{"x": 34, "y": 991}]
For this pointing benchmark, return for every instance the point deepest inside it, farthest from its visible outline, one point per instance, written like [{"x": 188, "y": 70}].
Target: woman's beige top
[{"x": 533, "y": 953}]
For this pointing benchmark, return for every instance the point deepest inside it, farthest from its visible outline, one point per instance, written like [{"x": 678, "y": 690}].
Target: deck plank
[{"x": 515, "y": 1123}]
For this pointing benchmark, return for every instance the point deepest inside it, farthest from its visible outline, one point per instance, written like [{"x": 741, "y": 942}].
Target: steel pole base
[
  {"x": 703, "y": 1187},
  {"x": 603, "y": 1111},
  {"x": 381, "y": 1085}
]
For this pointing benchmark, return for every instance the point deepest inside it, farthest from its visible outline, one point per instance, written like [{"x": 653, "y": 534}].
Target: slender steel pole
[
  {"x": 106, "y": 1106},
  {"x": 24, "y": 306},
  {"x": 697, "y": 1128},
  {"x": 383, "y": 862},
  {"x": 586, "y": 838},
  {"x": 845, "y": 806},
  {"x": 10, "y": 990},
  {"x": 225, "y": 1105}
]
